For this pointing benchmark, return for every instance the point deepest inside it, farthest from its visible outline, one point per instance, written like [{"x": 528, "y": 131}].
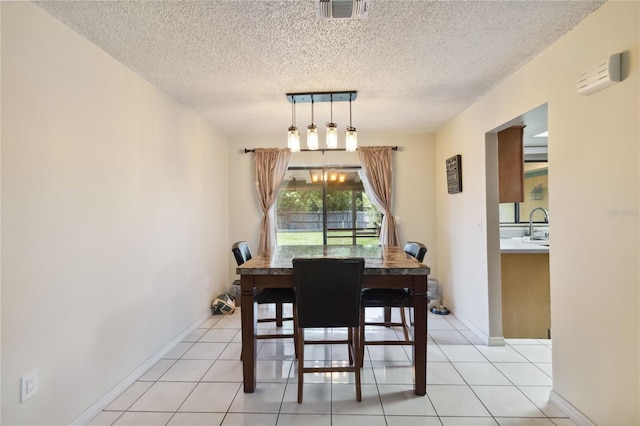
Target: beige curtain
[
  {"x": 376, "y": 168},
  {"x": 271, "y": 166}
]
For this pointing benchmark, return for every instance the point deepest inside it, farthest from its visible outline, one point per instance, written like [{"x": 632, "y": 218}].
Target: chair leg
[
  {"x": 300, "y": 363},
  {"x": 360, "y": 347},
  {"x": 387, "y": 316},
  {"x": 278, "y": 314},
  {"x": 405, "y": 325},
  {"x": 296, "y": 337},
  {"x": 357, "y": 343},
  {"x": 352, "y": 347}
]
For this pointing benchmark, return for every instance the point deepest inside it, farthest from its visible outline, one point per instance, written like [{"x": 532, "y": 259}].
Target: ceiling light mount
[{"x": 307, "y": 97}]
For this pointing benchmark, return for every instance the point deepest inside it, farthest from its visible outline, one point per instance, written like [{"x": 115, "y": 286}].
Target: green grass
[{"x": 315, "y": 238}]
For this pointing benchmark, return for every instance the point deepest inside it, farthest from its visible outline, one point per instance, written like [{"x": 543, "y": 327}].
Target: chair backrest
[
  {"x": 328, "y": 291},
  {"x": 415, "y": 249},
  {"x": 241, "y": 252}
]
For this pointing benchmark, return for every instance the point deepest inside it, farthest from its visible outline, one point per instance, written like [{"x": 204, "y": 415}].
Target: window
[
  {"x": 325, "y": 206},
  {"x": 536, "y": 194}
]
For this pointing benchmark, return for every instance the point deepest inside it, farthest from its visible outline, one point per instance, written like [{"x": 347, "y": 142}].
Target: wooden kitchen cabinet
[
  {"x": 511, "y": 165},
  {"x": 526, "y": 299}
]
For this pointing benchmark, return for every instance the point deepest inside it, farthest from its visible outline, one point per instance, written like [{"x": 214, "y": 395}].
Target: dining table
[{"x": 385, "y": 267}]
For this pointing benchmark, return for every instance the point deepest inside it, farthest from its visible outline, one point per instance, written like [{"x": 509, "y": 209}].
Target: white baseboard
[
  {"x": 495, "y": 341},
  {"x": 574, "y": 414},
  {"x": 110, "y": 396},
  {"x": 489, "y": 341}
]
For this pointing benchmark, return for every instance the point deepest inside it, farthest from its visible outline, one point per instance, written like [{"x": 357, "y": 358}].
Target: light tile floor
[{"x": 199, "y": 382}]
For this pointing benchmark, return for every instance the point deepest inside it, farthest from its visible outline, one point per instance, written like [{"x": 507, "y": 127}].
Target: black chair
[
  {"x": 391, "y": 298},
  {"x": 328, "y": 295},
  {"x": 415, "y": 249},
  {"x": 277, "y": 296}
]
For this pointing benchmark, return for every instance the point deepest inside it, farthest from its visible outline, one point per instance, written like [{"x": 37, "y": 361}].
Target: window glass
[
  {"x": 507, "y": 212},
  {"x": 536, "y": 194},
  {"x": 326, "y": 206}
]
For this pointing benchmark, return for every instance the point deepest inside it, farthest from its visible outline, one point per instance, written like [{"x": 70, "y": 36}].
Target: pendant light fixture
[
  {"x": 312, "y": 129},
  {"x": 312, "y": 132},
  {"x": 293, "y": 139},
  {"x": 351, "y": 137},
  {"x": 332, "y": 130}
]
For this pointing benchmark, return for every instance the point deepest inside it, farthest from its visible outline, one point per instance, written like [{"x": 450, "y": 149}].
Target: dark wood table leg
[
  {"x": 248, "y": 317},
  {"x": 420, "y": 332}
]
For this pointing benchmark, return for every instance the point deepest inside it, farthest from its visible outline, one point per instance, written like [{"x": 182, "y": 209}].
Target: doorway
[{"x": 518, "y": 238}]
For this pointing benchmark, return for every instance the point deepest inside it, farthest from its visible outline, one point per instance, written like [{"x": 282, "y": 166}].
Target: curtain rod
[{"x": 247, "y": 150}]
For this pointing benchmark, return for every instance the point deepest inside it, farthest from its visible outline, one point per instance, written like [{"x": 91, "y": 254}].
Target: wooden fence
[{"x": 312, "y": 221}]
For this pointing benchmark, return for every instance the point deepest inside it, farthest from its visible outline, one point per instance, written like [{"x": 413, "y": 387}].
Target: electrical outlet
[{"x": 28, "y": 385}]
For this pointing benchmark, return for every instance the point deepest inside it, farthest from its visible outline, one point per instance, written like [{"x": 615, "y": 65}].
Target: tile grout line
[
  {"x": 175, "y": 361},
  {"x": 375, "y": 380},
  {"x": 507, "y": 378},
  {"x": 513, "y": 384},
  {"x": 465, "y": 381},
  {"x": 227, "y": 345}
]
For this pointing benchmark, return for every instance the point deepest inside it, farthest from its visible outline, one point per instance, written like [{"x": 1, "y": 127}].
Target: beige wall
[
  {"x": 110, "y": 235},
  {"x": 0, "y": 212},
  {"x": 414, "y": 184},
  {"x": 594, "y": 182},
  {"x": 112, "y": 242}
]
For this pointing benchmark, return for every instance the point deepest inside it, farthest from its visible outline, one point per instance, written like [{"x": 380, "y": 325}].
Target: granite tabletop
[{"x": 379, "y": 260}]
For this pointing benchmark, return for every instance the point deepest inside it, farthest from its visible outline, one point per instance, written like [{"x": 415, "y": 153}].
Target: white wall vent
[
  {"x": 341, "y": 9},
  {"x": 603, "y": 75}
]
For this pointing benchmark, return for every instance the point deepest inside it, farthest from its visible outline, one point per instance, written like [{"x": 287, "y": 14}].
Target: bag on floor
[{"x": 223, "y": 304}]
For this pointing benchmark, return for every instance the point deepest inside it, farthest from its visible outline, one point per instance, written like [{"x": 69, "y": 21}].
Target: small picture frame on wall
[{"x": 454, "y": 174}]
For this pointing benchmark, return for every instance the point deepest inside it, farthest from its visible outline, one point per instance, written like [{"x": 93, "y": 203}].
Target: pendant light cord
[
  {"x": 293, "y": 113},
  {"x": 331, "y": 98}
]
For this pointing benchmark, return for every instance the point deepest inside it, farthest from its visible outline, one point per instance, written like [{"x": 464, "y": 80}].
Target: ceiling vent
[{"x": 341, "y": 9}]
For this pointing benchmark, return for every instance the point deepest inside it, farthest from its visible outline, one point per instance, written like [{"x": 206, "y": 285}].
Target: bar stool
[
  {"x": 328, "y": 296},
  {"x": 391, "y": 298},
  {"x": 277, "y": 296}
]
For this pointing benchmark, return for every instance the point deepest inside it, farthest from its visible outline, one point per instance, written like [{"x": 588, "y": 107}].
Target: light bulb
[
  {"x": 293, "y": 139},
  {"x": 312, "y": 137},
  {"x": 332, "y": 135},
  {"x": 351, "y": 139}
]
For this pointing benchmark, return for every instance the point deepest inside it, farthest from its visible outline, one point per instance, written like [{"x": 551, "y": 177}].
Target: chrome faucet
[{"x": 546, "y": 219}]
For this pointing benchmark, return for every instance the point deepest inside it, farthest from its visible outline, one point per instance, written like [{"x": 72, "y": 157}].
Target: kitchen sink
[{"x": 538, "y": 241}]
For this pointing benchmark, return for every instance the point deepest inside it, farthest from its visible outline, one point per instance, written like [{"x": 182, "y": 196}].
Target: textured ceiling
[{"x": 415, "y": 64}]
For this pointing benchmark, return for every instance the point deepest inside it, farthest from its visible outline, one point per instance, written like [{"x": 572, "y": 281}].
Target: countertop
[{"x": 518, "y": 245}]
